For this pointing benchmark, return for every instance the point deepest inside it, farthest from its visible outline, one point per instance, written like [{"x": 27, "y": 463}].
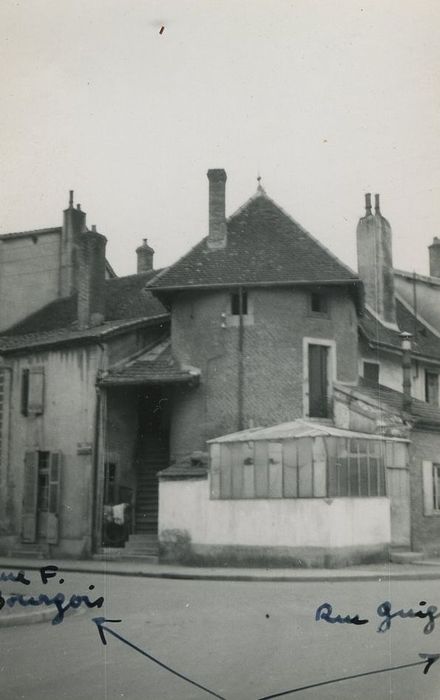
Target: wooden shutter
[
  {"x": 30, "y": 496},
  {"x": 54, "y": 498},
  {"x": 36, "y": 391},
  {"x": 428, "y": 488}
]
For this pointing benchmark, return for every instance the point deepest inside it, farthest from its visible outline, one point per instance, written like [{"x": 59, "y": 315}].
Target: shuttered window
[
  {"x": 32, "y": 391},
  {"x": 41, "y": 493}
]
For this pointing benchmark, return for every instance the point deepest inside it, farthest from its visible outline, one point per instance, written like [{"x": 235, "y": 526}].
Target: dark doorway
[
  {"x": 152, "y": 455},
  {"x": 318, "y": 381}
]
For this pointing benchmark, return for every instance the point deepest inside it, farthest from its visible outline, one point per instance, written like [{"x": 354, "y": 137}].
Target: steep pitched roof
[
  {"x": 423, "y": 343},
  {"x": 151, "y": 367},
  {"x": 264, "y": 246},
  {"x": 126, "y": 303}
]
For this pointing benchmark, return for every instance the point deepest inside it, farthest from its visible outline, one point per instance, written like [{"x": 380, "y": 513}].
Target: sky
[{"x": 326, "y": 99}]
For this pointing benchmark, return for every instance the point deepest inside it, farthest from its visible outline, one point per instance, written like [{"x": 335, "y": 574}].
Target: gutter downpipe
[{"x": 240, "y": 359}]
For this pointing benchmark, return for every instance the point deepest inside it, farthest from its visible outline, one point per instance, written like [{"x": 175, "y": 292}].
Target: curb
[
  {"x": 23, "y": 618},
  {"x": 301, "y": 578}
]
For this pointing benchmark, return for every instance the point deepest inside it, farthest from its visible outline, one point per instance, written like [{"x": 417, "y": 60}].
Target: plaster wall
[
  {"x": 29, "y": 275},
  {"x": 295, "y": 527},
  {"x": 67, "y": 424}
]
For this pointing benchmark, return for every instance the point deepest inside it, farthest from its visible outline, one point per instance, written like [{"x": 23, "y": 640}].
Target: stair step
[{"x": 405, "y": 556}]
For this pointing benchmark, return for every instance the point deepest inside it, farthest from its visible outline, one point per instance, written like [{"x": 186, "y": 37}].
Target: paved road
[{"x": 242, "y": 640}]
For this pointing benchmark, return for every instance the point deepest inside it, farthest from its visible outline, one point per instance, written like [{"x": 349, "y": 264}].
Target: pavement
[{"x": 422, "y": 570}]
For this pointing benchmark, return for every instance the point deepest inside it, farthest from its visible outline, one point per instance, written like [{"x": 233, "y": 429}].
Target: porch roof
[
  {"x": 153, "y": 366},
  {"x": 297, "y": 429}
]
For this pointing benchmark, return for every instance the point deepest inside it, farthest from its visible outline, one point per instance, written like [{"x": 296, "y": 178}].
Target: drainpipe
[
  {"x": 240, "y": 359},
  {"x": 96, "y": 451},
  {"x": 406, "y": 366}
]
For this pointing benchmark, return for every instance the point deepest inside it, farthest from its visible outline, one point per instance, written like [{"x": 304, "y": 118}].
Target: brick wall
[
  {"x": 425, "y": 530},
  {"x": 272, "y": 359}
]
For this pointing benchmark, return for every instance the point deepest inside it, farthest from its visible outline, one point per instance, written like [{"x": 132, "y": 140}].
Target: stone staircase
[{"x": 153, "y": 460}]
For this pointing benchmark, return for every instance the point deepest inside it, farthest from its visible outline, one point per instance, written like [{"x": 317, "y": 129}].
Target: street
[{"x": 242, "y": 640}]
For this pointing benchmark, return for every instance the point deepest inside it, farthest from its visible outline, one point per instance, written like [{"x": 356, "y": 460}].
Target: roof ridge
[{"x": 31, "y": 232}]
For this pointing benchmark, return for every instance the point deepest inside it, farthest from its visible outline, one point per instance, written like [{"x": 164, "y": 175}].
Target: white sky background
[{"x": 327, "y": 98}]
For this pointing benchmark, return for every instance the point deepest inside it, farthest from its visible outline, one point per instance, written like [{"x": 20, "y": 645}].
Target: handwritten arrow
[
  {"x": 100, "y": 624},
  {"x": 428, "y": 660}
]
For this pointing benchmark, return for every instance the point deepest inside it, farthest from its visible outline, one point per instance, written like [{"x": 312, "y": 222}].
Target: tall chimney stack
[
  {"x": 375, "y": 261},
  {"x": 74, "y": 224},
  {"x": 434, "y": 258},
  {"x": 91, "y": 279},
  {"x": 144, "y": 257},
  {"x": 217, "y": 217}
]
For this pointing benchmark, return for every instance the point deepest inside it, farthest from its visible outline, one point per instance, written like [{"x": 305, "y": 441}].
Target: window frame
[{"x": 323, "y": 301}]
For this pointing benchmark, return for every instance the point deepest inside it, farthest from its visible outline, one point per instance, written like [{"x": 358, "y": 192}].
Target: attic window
[
  {"x": 235, "y": 303},
  {"x": 318, "y": 303},
  {"x": 371, "y": 372}
]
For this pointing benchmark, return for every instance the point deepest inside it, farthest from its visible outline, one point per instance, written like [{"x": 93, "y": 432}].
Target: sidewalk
[{"x": 425, "y": 570}]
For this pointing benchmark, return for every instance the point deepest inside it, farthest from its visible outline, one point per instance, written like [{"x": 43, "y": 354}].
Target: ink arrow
[
  {"x": 100, "y": 624},
  {"x": 428, "y": 660}
]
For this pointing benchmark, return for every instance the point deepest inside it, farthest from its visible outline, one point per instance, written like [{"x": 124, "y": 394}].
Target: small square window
[
  {"x": 318, "y": 303},
  {"x": 235, "y": 303},
  {"x": 371, "y": 372}
]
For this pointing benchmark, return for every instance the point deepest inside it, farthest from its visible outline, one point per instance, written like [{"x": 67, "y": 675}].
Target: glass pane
[
  {"x": 305, "y": 468},
  {"x": 261, "y": 469},
  {"x": 290, "y": 463}
]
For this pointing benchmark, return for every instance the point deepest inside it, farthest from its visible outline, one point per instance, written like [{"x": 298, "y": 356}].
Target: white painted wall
[{"x": 341, "y": 522}]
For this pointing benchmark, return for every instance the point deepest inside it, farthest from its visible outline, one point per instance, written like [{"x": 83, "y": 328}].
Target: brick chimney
[
  {"x": 144, "y": 257},
  {"x": 91, "y": 278},
  {"x": 434, "y": 258},
  {"x": 217, "y": 218},
  {"x": 74, "y": 224},
  {"x": 375, "y": 261}
]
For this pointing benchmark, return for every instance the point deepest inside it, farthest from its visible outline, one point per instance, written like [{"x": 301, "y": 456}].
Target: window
[
  {"x": 431, "y": 388},
  {"x": 371, "y": 372},
  {"x": 318, "y": 303},
  {"x": 318, "y": 381},
  {"x": 235, "y": 303},
  {"x": 32, "y": 391},
  {"x": 431, "y": 488},
  {"x": 298, "y": 468},
  {"x": 41, "y": 495}
]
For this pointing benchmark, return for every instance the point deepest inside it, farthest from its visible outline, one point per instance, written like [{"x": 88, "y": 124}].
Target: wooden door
[{"x": 318, "y": 381}]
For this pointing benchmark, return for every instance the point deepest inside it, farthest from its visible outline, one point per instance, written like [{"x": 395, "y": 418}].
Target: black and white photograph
[{"x": 220, "y": 349}]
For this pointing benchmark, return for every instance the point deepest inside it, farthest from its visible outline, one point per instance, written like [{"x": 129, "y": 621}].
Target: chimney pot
[
  {"x": 377, "y": 203},
  {"x": 217, "y": 217},
  {"x": 434, "y": 257},
  {"x": 144, "y": 257},
  {"x": 78, "y": 206},
  {"x": 94, "y": 228},
  {"x": 368, "y": 203},
  {"x": 70, "y": 199}
]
